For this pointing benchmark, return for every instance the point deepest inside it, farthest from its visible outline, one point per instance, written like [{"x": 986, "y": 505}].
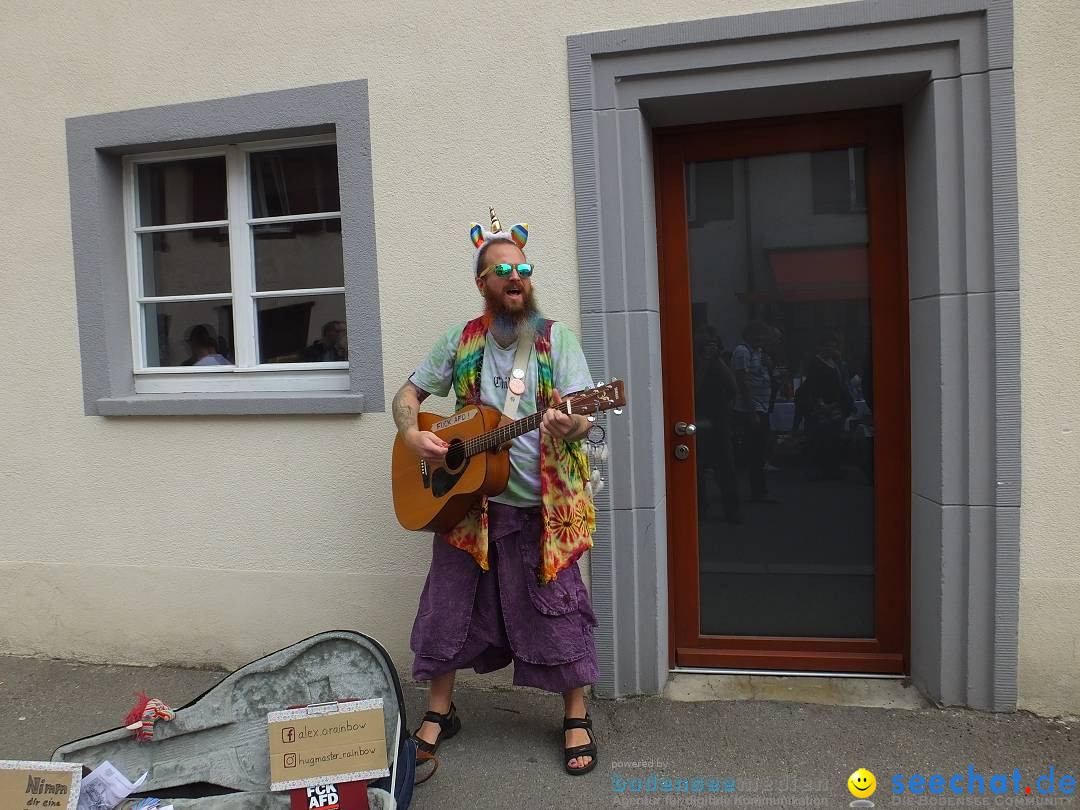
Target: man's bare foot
[
  {"x": 575, "y": 737},
  {"x": 575, "y": 714},
  {"x": 429, "y": 732}
]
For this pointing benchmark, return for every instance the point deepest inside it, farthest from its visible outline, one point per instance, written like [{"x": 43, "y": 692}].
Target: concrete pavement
[{"x": 775, "y": 753}]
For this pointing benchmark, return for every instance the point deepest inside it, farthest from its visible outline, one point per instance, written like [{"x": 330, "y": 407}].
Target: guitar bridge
[{"x": 425, "y": 475}]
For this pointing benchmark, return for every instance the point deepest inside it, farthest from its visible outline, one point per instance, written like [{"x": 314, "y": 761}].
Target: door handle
[{"x": 685, "y": 429}]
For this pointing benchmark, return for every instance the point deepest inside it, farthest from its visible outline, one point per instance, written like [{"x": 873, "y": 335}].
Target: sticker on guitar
[{"x": 456, "y": 419}]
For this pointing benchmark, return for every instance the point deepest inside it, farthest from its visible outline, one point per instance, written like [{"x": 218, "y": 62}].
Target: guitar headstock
[{"x": 605, "y": 397}]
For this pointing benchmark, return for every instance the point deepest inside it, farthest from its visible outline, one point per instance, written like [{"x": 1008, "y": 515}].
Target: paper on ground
[{"x": 106, "y": 787}]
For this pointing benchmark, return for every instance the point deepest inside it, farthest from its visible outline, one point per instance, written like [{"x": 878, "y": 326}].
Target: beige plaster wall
[
  {"x": 215, "y": 540},
  {"x": 1047, "y": 69}
]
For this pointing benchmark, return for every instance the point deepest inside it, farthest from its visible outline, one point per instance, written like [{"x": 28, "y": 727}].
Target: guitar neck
[{"x": 505, "y": 433}]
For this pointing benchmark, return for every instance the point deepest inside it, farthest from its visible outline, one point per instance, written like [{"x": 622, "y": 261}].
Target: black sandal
[
  {"x": 579, "y": 750},
  {"x": 449, "y": 725}
]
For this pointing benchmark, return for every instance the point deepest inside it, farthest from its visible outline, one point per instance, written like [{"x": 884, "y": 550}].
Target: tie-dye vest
[{"x": 569, "y": 518}]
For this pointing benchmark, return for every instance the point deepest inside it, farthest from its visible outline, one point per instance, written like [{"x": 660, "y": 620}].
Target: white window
[{"x": 235, "y": 268}]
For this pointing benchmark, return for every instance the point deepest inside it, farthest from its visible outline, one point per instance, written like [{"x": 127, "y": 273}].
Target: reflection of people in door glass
[
  {"x": 715, "y": 391},
  {"x": 754, "y": 381},
  {"x": 203, "y": 346},
  {"x": 332, "y": 346},
  {"x": 777, "y": 373},
  {"x": 825, "y": 401}
]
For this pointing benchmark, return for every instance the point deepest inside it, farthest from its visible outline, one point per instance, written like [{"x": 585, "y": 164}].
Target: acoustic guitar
[{"x": 436, "y": 496}]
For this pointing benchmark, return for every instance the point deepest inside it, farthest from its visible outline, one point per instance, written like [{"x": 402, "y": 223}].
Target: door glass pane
[{"x": 783, "y": 394}]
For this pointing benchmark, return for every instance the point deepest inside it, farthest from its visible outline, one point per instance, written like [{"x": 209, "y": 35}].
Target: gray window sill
[{"x": 288, "y": 402}]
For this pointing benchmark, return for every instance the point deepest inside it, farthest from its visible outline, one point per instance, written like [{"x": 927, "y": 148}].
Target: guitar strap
[{"x": 516, "y": 385}]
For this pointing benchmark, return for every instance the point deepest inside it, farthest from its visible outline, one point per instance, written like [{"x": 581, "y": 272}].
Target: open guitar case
[{"x": 215, "y": 752}]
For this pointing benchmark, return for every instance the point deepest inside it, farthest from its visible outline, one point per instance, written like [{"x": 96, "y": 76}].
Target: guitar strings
[
  {"x": 506, "y": 433},
  {"x": 503, "y": 434}
]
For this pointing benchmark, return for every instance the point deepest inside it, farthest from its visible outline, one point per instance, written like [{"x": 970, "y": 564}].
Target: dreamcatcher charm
[{"x": 597, "y": 451}]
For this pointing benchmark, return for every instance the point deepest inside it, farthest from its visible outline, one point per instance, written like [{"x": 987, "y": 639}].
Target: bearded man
[{"x": 504, "y": 584}]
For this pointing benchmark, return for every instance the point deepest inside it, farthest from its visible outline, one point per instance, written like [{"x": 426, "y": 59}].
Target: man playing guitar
[{"x": 504, "y": 583}]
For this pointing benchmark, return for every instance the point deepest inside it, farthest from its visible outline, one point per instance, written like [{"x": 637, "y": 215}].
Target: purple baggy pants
[{"x": 486, "y": 619}]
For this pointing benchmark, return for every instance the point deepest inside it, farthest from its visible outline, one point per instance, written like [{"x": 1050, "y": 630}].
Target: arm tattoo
[
  {"x": 404, "y": 416},
  {"x": 404, "y": 412}
]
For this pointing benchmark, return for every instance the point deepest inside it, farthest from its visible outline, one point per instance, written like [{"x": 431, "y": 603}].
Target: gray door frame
[{"x": 948, "y": 64}]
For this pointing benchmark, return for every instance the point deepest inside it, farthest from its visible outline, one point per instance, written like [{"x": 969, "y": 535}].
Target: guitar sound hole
[{"x": 455, "y": 456}]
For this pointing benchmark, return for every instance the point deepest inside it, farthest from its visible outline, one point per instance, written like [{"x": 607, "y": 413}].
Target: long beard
[{"x": 507, "y": 323}]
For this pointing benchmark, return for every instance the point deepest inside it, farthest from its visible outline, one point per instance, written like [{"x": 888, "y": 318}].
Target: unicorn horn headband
[{"x": 480, "y": 236}]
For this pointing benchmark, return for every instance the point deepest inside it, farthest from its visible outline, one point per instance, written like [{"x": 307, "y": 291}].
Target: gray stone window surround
[
  {"x": 96, "y": 145},
  {"x": 948, "y": 64}
]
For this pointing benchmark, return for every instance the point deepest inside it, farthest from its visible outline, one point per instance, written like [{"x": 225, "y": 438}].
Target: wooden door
[{"x": 784, "y": 323}]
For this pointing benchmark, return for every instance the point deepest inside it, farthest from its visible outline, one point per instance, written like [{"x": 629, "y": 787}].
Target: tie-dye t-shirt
[{"x": 571, "y": 374}]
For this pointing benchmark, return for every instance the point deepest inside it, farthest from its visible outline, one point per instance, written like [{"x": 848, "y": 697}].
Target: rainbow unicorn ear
[
  {"x": 520, "y": 234},
  {"x": 476, "y": 234}
]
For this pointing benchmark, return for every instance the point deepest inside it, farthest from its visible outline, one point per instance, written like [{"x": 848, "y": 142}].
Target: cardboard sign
[
  {"x": 327, "y": 743},
  {"x": 35, "y": 785}
]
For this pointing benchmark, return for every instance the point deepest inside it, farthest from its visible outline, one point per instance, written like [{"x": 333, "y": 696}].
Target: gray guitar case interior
[{"x": 215, "y": 752}]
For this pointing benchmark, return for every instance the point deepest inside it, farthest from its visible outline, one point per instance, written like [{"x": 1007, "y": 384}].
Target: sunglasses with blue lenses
[{"x": 503, "y": 270}]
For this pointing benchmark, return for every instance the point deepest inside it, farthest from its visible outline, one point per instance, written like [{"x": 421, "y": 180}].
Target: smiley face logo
[{"x": 862, "y": 784}]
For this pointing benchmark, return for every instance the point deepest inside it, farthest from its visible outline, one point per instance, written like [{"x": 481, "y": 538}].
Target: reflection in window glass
[
  {"x": 287, "y": 275},
  {"x": 287, "y": 182},
  {"x": 784, "y": 400},
  {"x": 302, "y": 329},
  {"x": 186, "y": 262},
  {"x": 179, "y": 191},
  {"x": 298, "y": 255},
  {"x": 838, "y": 180},
  {"x": 710, "y": 191},
  {"x": 189, "y": 333}
]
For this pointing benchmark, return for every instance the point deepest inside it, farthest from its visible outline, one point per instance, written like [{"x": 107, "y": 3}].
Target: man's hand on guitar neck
[{"x": 561, "y": 424}]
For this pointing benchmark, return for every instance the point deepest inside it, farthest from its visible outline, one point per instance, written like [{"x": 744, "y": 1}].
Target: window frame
[
  {"x": 96, "y": 147},
  {"x": 240, "y": 223}
]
